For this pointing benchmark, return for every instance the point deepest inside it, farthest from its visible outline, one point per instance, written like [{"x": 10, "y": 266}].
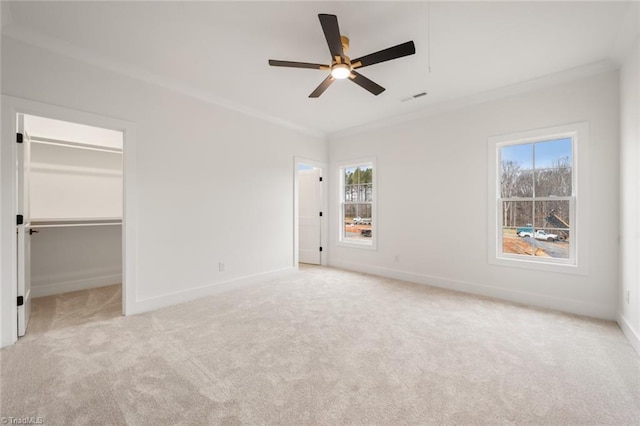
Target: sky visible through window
[
  {"x": 536, "y": 186},
  {"x": 546, "y": 153}
]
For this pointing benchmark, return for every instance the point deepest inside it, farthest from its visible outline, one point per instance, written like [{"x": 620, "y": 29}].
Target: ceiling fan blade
[
  {"x": 275, "y": 63},
  {"x": 332, "y": 34},
  {"x": 323, "y": 86},
  {"x": 404, "y": 49},
  {"x": 365, "y": 83}
]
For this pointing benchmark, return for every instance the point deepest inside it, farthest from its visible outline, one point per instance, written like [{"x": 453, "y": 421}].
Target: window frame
[
  {"x": 342, "y": 241},
  {"x": 578, "y": 249}
]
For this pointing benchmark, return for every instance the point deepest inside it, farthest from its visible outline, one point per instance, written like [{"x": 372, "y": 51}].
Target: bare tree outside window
[{"x": 536, "y": 190}]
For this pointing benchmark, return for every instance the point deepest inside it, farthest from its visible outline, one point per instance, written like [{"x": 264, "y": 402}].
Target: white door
[
  {"x": 309, "y": 207},
  {"x": 24, "y": 229}
]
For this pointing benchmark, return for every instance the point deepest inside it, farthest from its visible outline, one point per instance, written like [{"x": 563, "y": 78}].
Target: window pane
[
  {"x": 553, "y": 161},
  {"x": 513, "y": 244},
  {"x": 516, "y": 177},
  {"x": 521, "y": 155},
  {"x": 349, "y": 175},
  {"x": 365, "y": 192},
  {"x": 524, "y": 184},
  {"x": 552, "y": 227},
  {"x": 517, "y": 214},
  {"x": 350, "y": 188},
  {"x": 548, "y": 153},
  {"x": 350, "y": 193},
  {"x": 358, "y": 184},
  {"x": 553, "y": 181},
  {"x": 553, "y": 215},
  {"x": 359, "y": 174},
  {"x": 357, "y": 222},
  {"x": 553, "y": 218},
  {"x": 517, "y": 227},
  {"x": 365, "y": 175}
]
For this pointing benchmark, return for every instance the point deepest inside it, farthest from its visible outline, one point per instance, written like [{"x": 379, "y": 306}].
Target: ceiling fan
[{"x": 342, "y": 66}]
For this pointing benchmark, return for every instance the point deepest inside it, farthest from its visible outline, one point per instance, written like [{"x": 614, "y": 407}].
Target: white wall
[
  {"x": 75, "y": 258},
  {"x": 74, "y": 183},
  {"x": 213, "y": 185},
  {"x": 432, "y": 197},
  {"x": 629, "y": 313}
]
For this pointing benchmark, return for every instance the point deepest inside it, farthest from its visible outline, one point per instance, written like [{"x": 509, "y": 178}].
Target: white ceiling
[{"x": 220, "y": 49}]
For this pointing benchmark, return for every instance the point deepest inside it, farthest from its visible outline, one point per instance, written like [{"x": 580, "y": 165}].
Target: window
[
  {"x": 357, "y": 187},
  {"x": 535, "y": 181}
]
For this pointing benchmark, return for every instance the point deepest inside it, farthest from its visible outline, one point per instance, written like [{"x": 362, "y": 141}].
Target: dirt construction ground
[
  {"x": 524, "y": 245},
  {"x": 355, "y": 230}
]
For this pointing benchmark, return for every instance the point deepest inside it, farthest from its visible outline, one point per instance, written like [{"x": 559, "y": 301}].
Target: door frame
[
  {"x": 11, "y": 107},
  {"x": 324, "y": 194}
]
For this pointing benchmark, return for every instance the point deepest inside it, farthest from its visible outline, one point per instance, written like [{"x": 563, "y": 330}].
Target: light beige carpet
[{"x": 323, "y": 346}]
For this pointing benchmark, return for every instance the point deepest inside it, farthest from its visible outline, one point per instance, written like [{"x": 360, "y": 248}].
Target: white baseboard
[
  {"x": 532, "y": 299},
  {"x": 628, "y": 331},
  {"x": 61, "y": 285},
  {"x": 176, "y": 298}
]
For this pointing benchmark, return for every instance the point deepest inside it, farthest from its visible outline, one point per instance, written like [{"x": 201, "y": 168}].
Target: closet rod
[
  {"x": 59, "y": 142},
  {"x": 62, "y": 223},
  {"x": 70, "y": 225}
]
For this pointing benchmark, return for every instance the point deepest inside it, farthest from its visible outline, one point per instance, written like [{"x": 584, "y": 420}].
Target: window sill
[
  {"x": 539, "y": 265},
  {"x": 353, "y": 244}
]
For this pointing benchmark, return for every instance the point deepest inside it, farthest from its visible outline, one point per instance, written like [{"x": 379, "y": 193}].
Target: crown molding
[
  {"x": 63, "y": 48},
  {"x": 51, "y": 44},
  {"x": 572, "y": 74}
]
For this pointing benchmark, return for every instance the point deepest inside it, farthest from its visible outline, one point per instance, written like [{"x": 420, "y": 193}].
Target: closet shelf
[
  {"x": 64, "y": 223},
  {"x": 71, "y": 144}
]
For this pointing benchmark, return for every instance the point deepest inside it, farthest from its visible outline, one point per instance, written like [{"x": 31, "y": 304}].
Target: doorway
[
  {"x": 121, "y": 238},
  {"x": 70, "y": 187},
  {"x": 310, "y": 213}
]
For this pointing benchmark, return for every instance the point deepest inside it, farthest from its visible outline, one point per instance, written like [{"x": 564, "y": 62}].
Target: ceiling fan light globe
[{"x": 340, "y": 71}]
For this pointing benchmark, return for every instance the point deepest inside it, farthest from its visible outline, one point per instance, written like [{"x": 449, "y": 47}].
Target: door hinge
[
  {"x": 320, "y": 248},
  {"x": 19, "y": 137},
  {"x": 20, "y": 300},
  {"x": 320, "y": 214},
  {"x": 320, "y": 178},
  {"x": 19, "y": 219}
]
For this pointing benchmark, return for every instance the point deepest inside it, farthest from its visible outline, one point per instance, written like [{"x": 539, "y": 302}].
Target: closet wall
[{"x": 76, "y": 206}]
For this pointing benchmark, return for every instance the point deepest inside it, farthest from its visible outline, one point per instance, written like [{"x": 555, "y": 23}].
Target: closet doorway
[
  {"x": 310, "y": 213},
  {"x": 70, "y": 200}
]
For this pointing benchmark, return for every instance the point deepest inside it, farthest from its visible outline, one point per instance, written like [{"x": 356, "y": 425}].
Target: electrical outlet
[
  {"x": 221, "y": 267},
  {"x": 397, "y": 258}
]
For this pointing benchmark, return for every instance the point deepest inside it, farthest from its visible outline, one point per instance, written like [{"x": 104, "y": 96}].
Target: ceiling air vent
[{"x": 416, "y": 96}]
